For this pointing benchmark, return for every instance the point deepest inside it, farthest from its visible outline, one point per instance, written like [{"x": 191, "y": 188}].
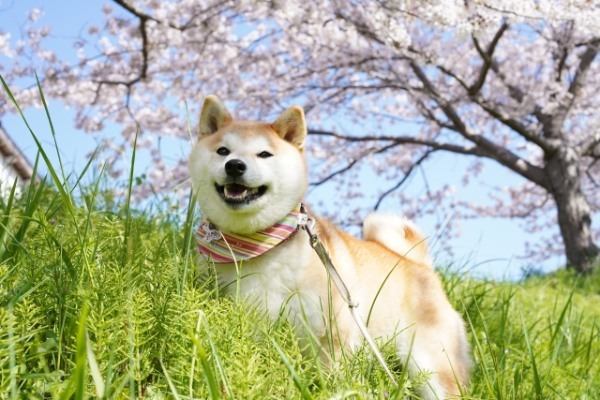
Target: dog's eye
[
  {"x": 223, "y": 151},
  {"x": 264, "y": 154}
]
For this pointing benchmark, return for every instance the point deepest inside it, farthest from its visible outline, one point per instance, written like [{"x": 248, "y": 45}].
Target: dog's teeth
[
  {"x": 239, "y": 192},
  {"x": 234, "y": 194}
]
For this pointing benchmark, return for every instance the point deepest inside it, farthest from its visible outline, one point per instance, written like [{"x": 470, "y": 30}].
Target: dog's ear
[
  {"x": 291, "y": 126},
  {"x": 213, "y": 117}
]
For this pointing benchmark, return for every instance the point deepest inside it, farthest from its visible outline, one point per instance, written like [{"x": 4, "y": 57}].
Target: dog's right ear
[{"x": 214, "y": 116}]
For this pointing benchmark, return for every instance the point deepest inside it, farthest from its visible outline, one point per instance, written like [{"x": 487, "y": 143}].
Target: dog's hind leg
[{"x": 441, "y": 355}]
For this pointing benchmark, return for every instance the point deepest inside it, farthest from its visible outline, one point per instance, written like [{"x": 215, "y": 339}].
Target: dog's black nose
[{"x": 235, "y": 168}]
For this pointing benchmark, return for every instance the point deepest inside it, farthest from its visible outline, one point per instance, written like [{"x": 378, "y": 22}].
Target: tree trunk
[{"x": 574, "y": 213}]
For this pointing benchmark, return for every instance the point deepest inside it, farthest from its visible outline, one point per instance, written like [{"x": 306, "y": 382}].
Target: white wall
[{"x": 7, "y": 177}]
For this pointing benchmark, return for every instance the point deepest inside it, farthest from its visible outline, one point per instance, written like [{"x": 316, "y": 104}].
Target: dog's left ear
[{"x": 291, "y": 126}]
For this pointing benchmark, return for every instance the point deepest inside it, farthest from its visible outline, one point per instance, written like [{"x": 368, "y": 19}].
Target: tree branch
[
  {"x": 143, "y": 73},
  {"x": 588, "y": 172},
  {"x": 563, "y": 50},
  {"x": 555, "y": 122},
  {"x": 404, "y": 179},
  {"x": 352, "y": 163},
  {"x": 335, "y": 173},
  {"x": 591, "y": 147},
  {"x": 513, "y": 124},
  {"x": 134, "y": 11},
  {"x": 487, "y": 148},
  {"x": 398, "y": 140},
  {"x": 487, "y": 57},
  {"x": 516, "y": 126},
  {"x": 145, "y": 50},
  {"x": 488, "y": 62},
  {"x": 585, "y": 63},
  {"x": 484, "y": 147}
]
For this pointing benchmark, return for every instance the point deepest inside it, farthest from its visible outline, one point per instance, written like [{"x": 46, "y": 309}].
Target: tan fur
[
  {"x": 397, "y": 234},
  {"x": 388, "y": 271}
]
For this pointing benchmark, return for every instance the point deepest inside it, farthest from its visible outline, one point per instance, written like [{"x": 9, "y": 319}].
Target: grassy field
[{"x": 99, "y": 299}]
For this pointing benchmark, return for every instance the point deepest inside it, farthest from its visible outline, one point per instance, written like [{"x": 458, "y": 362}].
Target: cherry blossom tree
[{"x": 511, "y": 82}]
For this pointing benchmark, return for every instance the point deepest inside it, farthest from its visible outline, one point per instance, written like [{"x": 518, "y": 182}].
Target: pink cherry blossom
[{"x": 395, "y": 84}]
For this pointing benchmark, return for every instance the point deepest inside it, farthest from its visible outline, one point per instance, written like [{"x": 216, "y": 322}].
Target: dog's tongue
[{"x": 236, "y": 191}]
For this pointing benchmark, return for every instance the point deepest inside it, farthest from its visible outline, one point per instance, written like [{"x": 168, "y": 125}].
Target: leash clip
[{"x": 306, "y": 222}]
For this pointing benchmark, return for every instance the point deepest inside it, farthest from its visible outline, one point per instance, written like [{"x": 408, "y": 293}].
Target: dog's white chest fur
[{"x": 281, "y": 281}]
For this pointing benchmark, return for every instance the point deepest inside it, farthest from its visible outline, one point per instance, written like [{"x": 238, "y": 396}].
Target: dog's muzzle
[{"x": 235, "y": 193}]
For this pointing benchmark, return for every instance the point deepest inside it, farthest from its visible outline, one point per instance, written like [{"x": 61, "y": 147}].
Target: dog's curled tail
[{"x": 397, "y": 234}]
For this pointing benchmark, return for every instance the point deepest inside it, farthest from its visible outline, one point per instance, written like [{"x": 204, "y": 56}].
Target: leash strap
[{"x": 307, "y": 223}]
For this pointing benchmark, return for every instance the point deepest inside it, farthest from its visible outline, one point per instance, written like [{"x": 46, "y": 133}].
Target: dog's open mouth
[{"x": 236, "y": 194}]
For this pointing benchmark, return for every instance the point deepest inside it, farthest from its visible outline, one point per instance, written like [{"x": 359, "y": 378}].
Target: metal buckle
[{"x": 306, "y": 222}]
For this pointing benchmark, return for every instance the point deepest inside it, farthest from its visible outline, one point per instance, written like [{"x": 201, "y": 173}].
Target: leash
[{"x": 308, "y": 223}]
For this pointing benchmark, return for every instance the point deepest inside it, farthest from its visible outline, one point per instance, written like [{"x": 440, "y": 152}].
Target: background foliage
[{"x": 504, "y": 84}]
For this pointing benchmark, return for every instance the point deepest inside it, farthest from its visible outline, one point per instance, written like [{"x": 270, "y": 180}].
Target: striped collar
[{"x": 223, "y": 247}]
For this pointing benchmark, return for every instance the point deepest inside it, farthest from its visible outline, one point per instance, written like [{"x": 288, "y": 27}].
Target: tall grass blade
[
  {"x": 169, "y": 381},
  {"x": 537, "y": 380},
  {"x": 85, "y": 169},
  {"x": 189, "y": 234},
  {"x": 94, "y": 368},
  {"x": 379, "y": 292},
  {"x": 12, "y": 355},
  {"x": 32, "y": 204},
  {"x": 26, "y": 216},
  {"x": 302, "y": 387},
  {"x": 215, "y": 355},
  {"x": 561, "y": 318},
  {"x": 488, "y": 380},
  {"x": 128, "y": 220},
  {"x": 4, "y": 221},
  {"x": 76, "y": 386},
  {"x": 213, "y": 387},
  {"x": 52, "y": 130},
  {"x": 80, "y": 373}
]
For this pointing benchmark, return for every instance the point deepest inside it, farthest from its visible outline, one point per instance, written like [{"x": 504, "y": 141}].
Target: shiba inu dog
[{"x": 250, "y": 178}]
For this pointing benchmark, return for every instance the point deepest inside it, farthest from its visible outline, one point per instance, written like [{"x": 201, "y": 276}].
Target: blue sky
[
  {"x": 75, "y": 146},
  {"x": 488, "y": 247}
]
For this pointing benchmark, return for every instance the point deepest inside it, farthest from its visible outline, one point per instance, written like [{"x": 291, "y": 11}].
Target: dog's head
[{"x": 248, "y": 175}]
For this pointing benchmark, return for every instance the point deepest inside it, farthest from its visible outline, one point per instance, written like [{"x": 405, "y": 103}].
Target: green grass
[{"x": 99, "y": 299}]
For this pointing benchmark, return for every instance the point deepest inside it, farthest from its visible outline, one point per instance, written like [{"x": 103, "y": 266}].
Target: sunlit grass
[{"x": 103, "y": 300}]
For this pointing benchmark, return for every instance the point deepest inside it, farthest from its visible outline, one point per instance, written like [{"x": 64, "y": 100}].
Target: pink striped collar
[{"x": 223, "y": 247}]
